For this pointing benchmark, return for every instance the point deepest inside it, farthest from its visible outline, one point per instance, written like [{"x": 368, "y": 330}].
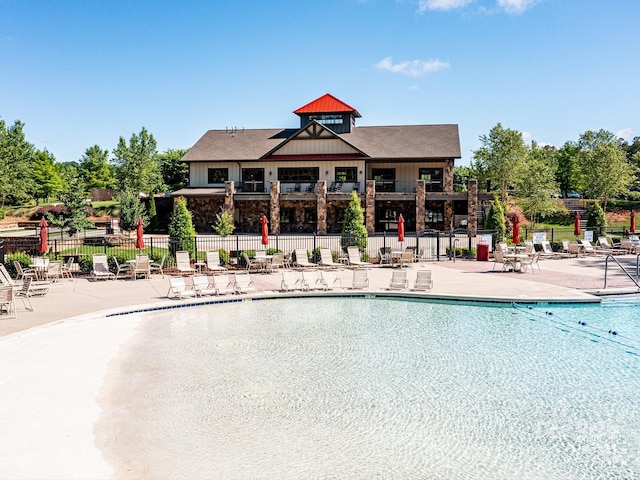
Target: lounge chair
[
  {"x": 213, "y": 262},
  {"x": 311, "y": 280},
  {"x": 183, "y": 263},
  {"x": 202, "y": 286},
  {"x": 5, "y": 277},
  {"x": 547, "y": 251},
  {"x": 360, "y": 279},
  {"x": 101, "y": 267},
  {"x": 302, "y": 260},
  {"x": 141, "y": 267},
  {"x": 609, "y": 248},
  {"x": 243, "y": 283},
  {"x": 179, "y": 288},
  {"x": 223, "y": 284},
  {"x": 7, "y": 302},
  {"x": 589, "y": 249},
  {"x": 290, "y": 281},
  {"x": 158, "y": 266},
  {"x": 423, "y": 280},
  {"x": 330, "y": 280},
  {"x": 354, "y": 258},
  {"x": 122, "y": 269},
  {"x": 399, "y": 280},
  {"x": 326, "y": 259}
]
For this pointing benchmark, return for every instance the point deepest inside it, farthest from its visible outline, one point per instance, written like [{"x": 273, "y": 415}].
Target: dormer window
[{"x": 327, "y": 119}]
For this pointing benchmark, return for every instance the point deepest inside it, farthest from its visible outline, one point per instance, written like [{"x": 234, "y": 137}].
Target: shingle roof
[{"x": 392, "y": 142}]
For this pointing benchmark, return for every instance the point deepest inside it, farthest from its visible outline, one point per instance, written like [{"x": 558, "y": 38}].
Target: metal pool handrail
[{"x": 606, "y": 269}]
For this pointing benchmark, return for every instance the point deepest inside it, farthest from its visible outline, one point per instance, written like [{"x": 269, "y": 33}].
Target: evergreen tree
[
  {"x": 596, "y": 217},
  {"x": 131, "y": 208},
  {"x": 153, "y": 214},
  {"x": 138, "y": 169},
  {"x": 95, "y": 170},
  {"x": 353, "y": 230},
  {"x": 181, "y": 232},
  {"x": 495, "y": 219},
  {"x": 74, "y": 218}
]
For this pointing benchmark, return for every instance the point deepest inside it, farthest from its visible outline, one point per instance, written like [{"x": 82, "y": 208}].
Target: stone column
[
  {"x": 274, "y": 207},
  {"x": 321, "y": 226},
  {"x": 229, "y": 190},
  {"x": 472, "y": 207},
  {"x": 448, "y": 214},
  {"x": 370, "y": 206},
  {"x": 420, "y": 201},
  {"x": 448, "y": 176}
]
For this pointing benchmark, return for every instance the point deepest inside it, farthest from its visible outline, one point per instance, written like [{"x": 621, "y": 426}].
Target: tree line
[
  {"x": 598, "y": 165},
  {"x": 132, "y": 167}
]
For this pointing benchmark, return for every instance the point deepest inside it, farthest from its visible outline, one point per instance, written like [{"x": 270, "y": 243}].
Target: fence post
[
  {"x": 1, "y": 251},
  {"x": 552, "y": 235},
  {"x": 438, "y": 245}
]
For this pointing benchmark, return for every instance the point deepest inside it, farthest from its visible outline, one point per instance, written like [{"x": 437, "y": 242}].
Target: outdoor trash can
[{"x": 482, "y": 252}]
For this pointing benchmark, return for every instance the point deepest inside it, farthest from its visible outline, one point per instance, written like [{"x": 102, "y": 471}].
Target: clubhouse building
[{"x": 302, "y": 178}]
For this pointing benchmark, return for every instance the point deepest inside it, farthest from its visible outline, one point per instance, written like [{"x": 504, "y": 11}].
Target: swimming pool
[{"x": 377, "y": 388}]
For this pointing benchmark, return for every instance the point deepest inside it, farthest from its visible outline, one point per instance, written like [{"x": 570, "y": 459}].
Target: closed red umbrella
[
  {"x": 265, "y": 230},
  {"x": 139, "y": 234},
  {"x": 516, "y": 229},
  {"x": 401, "y": 229},
  {"x": 632, "y": 221},
  {"x": 576, "y": 224},
  {"x": 44, "y": 228}
]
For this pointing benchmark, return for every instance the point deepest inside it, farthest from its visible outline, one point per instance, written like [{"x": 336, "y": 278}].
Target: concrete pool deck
[{"x": 54, "y": 379}]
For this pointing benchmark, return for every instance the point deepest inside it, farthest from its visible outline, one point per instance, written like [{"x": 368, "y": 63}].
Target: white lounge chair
[
  {"x": 311, "y": 280},
  {"x": 399, "y": 280},
  {"x": 179, "y": 288},
  {"x": 290, "y": 281},
  {"x": 223, "y": 284},
  {"x": 183, "y": 262},
  {"x": 302, "y": 260},
  {"x": 243, "y": 283},
  {"x": 330, "y": 280},
  {"x": 589, "y": 249},
  {"x": 354, "y": 258},
  {"x": 101, "y": 267},
  {"x": 609, "y": 248},
  {"x": 326, "y": 259},
  {"x": 547, "y": 251},
  {"x": 360, "y": 279},
  {"x": 213, "y": 262},
  {"x": 202, "y": 286},
  {"x": 423, "y": 280}
]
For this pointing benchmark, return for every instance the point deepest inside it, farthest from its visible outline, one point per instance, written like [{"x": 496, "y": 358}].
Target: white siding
[{"x": 315, "y": 147}]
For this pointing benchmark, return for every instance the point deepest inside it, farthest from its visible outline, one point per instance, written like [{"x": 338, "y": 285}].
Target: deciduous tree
[
  {"x": 16, "y": 155},
  {"x": 95, "y": 170},
  {"x": 536, "y": 184},
  {"x": 138, "y": 169}
]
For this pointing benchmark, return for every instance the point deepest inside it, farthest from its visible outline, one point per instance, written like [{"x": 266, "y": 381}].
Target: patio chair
[
  {"x": 421, "y": 256},
  {"x": 202, "y": 286},
  {"x": 354, "y": 258},
  {"x": 290, "y": 281},
  {"x": 529, "y": 247},
  {"x": 213, "y": 262},
  {"x": 277, "y": 261},
  {"x": 179, "y": 288},
  {"x": 311, "y": 280},
  {"x": 532, "y": 261},
  {"x": 360, "y": 279},
  {"x": 399, "y": 280},
  {"x": 101, "y": 267},
  {"x": 183, "y": 262},
  {"x": 243, "y": 283},
  {"x": 385, "y": 255},
  {"x": 223, "y": 284},
  {"x": 547, "y": 251},
  {"x": 249, "y": 263},
  {"x": 330, "y": 280},
  {"x": 157, "y": 267},
  {"x": 54, "y": 271},
  {"x": 628, "y": 246},
  {"x": 326, "y": 259},
  {"x": 406, "y": 257},
  {"x": 423, "y": 280},
  {"x": 22, "y": 273},
  {"x": 498, "y": 257},
  {"x": 7, "y": 302},
  {"x": 302, "y": 260},
  {"x": 121, "y": 269},
  {"x": 141, "y": 267},
  {"x": 67, "y": 268}
]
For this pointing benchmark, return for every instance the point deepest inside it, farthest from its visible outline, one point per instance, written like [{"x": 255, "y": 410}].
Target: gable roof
[
  {"x": 389, "y": 142},
  {"x": 326, "y": 104}
]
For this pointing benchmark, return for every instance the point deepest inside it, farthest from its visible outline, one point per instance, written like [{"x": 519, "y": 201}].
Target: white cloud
[
  {"x": 626, "y": 133},
  {"x": 516, "y": 6},
  {"x": 413, "y": 68},
  {"x": 526, "y": 136},
  {"x": 424, "y": 5}
]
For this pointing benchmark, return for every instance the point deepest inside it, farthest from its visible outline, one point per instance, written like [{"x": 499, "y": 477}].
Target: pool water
[{"x": 373, "y": 388}]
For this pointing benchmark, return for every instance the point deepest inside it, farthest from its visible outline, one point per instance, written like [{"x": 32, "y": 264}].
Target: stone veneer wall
[
  {"x": 248, "y": 215},
  {"x": 420, "y": 205},
  {"x": 370, "y": 206},
  {"x": 203, "y": 212},
  {"x": 274, "y": 203},
  {"x": 335, "y": 215},
  {"x": 472, "y": 207},
  {"x": 321, "y": 205}
]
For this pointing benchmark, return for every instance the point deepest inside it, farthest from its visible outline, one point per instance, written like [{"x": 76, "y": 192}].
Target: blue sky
[{"x": 80, "y": 73}]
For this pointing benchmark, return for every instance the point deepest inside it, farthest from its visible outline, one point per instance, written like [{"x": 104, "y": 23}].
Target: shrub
[
  {"x": 85, "y": 263},
  {"x": 23, "y": 259},
  {"x": 224, "y": 224},
  {"x": 224, "y": 256},
  {"x": 595, "y": 216},
  {"x": 181, "y": 231},
  {"x": 2, "y": 213},
  {"x": 495, "y": 219},
  {"x": 353, "y": 230}
]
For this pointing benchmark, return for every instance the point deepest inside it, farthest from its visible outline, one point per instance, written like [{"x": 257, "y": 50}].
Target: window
[
  {"x": 217, "y": 175},
  {"x": 346, "y": 174},
  {"x": 310, "y": 215},
  {"x": 327, "y": 119},
  {"x": 287, "y": 215},
  {"x": 432, "y": 178},
  {"x": 385, "y": 179},
  {"x": 298, "y": 174}
]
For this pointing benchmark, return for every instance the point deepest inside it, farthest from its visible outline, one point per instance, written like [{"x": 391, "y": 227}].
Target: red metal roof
[{"x": 326, "y": 104}]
